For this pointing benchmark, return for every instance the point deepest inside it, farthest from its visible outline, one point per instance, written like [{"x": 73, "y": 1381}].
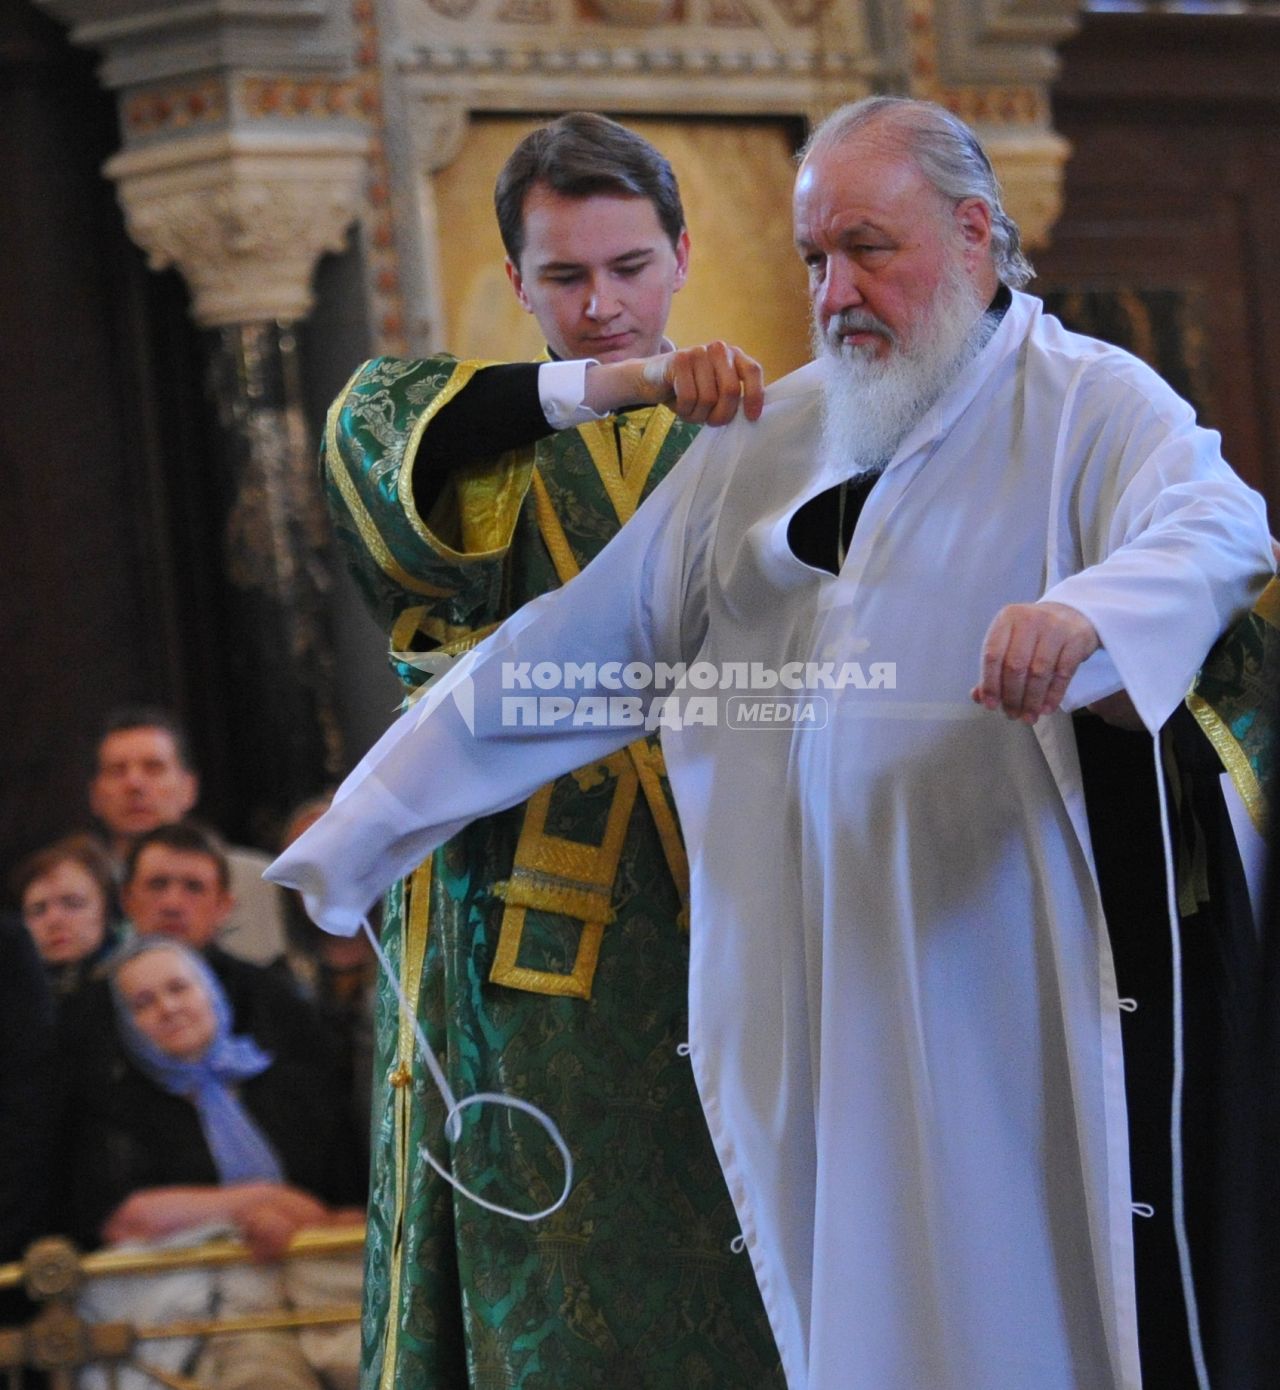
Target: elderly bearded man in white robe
[{"x": 905, "y": 1021}]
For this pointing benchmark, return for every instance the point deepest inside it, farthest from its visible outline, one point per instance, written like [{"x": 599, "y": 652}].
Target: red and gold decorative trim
[
  {"x": 997, "y": 105},
  {"x": 1014, "y": 105},
  {"x": 272, "y": 97},
  {"x": 156, "y": 110}
]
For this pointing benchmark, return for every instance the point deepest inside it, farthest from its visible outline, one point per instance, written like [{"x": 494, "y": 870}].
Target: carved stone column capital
[
  {"x": 1029, "y": 165},
  {"x": 244, "y": 215}
]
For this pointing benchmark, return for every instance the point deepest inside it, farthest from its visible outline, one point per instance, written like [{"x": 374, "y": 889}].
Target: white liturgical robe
[{"x": 903, "y": 1014}]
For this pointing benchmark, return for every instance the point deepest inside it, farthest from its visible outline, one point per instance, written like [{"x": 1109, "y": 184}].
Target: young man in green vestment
[{"x": 545, "y": 949}]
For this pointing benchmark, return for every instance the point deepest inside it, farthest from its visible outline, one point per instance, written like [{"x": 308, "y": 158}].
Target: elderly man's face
[{"x": 881, "y": 246}]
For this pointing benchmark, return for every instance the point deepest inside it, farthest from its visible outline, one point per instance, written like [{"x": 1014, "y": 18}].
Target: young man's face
[
  {"x": 598, "y": 273},
  {"x": 177, "y": 893},
  {"x": 140, "y": 782}
]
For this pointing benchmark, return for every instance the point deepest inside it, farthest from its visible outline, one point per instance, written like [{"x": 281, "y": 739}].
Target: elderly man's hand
[
  {"x": 706, "y": 385},
  {"x": 1030, "y": 653}
]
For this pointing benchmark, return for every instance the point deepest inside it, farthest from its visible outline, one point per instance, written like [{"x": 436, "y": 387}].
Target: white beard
[{"x": 871, "y": 402}]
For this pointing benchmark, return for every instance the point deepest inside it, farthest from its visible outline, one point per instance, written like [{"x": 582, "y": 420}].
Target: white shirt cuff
[{"x": 561, "y": 387}]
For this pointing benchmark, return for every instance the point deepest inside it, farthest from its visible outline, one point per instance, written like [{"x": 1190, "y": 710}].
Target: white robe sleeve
[
  {"x": 1176, "y": 547},
  {"x": 465, "y": 750}
]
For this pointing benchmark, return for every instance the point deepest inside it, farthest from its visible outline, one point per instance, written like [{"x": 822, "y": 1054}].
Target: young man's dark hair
[
  {"x": 187, "y": 837},
  {"x": 126, "y": 717},
  {"x": 578, "y": 155}
]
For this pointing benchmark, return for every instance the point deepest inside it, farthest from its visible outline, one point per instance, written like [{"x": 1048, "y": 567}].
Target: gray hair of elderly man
[{"x": 949, "y": 156}]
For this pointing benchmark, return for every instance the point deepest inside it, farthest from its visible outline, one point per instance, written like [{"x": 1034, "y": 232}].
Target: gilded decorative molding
[
  {"x": 150, "y": 111},
  {"x": 1012, "y": 118},
  {"x": 1029, "y": 166},
  {"x": 764, "y": 56},
  {"x": 244, "y": 216},
  {"x": 291, "y": 98},
  {"x": 383, "y": 280},
  {"x": 172, "y": 109}
]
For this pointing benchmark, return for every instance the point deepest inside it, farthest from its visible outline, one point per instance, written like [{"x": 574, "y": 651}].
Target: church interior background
[{"x": 213, "y": 213}]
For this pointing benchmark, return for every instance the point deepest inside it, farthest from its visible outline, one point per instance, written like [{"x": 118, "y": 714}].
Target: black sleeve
[{"x": 499, "y": 410}]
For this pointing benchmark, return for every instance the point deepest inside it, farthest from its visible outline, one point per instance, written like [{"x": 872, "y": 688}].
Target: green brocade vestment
[{"x": 546, "y": 953}]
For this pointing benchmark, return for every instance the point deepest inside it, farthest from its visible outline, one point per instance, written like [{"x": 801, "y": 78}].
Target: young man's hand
[{"x": 706, "y": 385}]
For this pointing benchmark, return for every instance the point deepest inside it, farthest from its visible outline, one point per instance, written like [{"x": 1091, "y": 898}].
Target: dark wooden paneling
[{"x": 1172, "y": 186}]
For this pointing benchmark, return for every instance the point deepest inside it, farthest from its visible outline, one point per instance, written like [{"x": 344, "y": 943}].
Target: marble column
[{"x": 246, "y": 218}]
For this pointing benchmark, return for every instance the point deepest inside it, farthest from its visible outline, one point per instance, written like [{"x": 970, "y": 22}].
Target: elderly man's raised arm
[{"x": 1174, "y": 548}]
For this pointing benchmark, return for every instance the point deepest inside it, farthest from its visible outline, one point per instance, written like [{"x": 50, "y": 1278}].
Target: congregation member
[
  {"x": 177, "y": 887},
  {"x": 143, "y": 777},
  {"x": 67, "y": 895},
  {"x": 944, "y": 540},
  {"x": 204, "y": 1130},
  {"x": 546, "y": 949}
]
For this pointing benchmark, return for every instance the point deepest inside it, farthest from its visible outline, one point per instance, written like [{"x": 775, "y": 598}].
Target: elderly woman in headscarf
[{"x": 202, "y": 1129}]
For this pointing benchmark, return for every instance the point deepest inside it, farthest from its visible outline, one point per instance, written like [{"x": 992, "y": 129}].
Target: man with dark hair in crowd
[
  {"x": 144, "y": 776},
  {"x": 546, "y": 949}
]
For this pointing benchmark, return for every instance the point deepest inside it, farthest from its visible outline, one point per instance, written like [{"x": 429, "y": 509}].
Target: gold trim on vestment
[
  {"x": 624, "y": 478},
  {"x": 567, "y": 877},
  {"x": 414, "y": 621},
  {"x": 484, "y": 496},
  {"x": 553, "y": 536},
  {"x": 1234, "y": 759},
  {"x": 363, "y": 522},
  {"x": 646, "y": 760},
  {"x": 415, "y": 914},
  {"x": 1268, "y": 604}
]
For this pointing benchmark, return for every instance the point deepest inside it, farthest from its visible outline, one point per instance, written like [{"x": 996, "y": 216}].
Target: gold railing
[{"x": 58, "y": 1341}]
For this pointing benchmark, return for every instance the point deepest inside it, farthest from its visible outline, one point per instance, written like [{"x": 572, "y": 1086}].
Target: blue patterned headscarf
[{"x": 241, "y": 1151}]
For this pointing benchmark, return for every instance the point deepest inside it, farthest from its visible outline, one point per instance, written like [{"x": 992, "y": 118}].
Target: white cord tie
[
  {"x": 1143, "y": 1209},
  {"x": 1129, "y": 1006},
  {"x": 737, "y": 1245},
  {"x": 683, "y": 1049},
  {"x": 454, "y": 1108}
]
